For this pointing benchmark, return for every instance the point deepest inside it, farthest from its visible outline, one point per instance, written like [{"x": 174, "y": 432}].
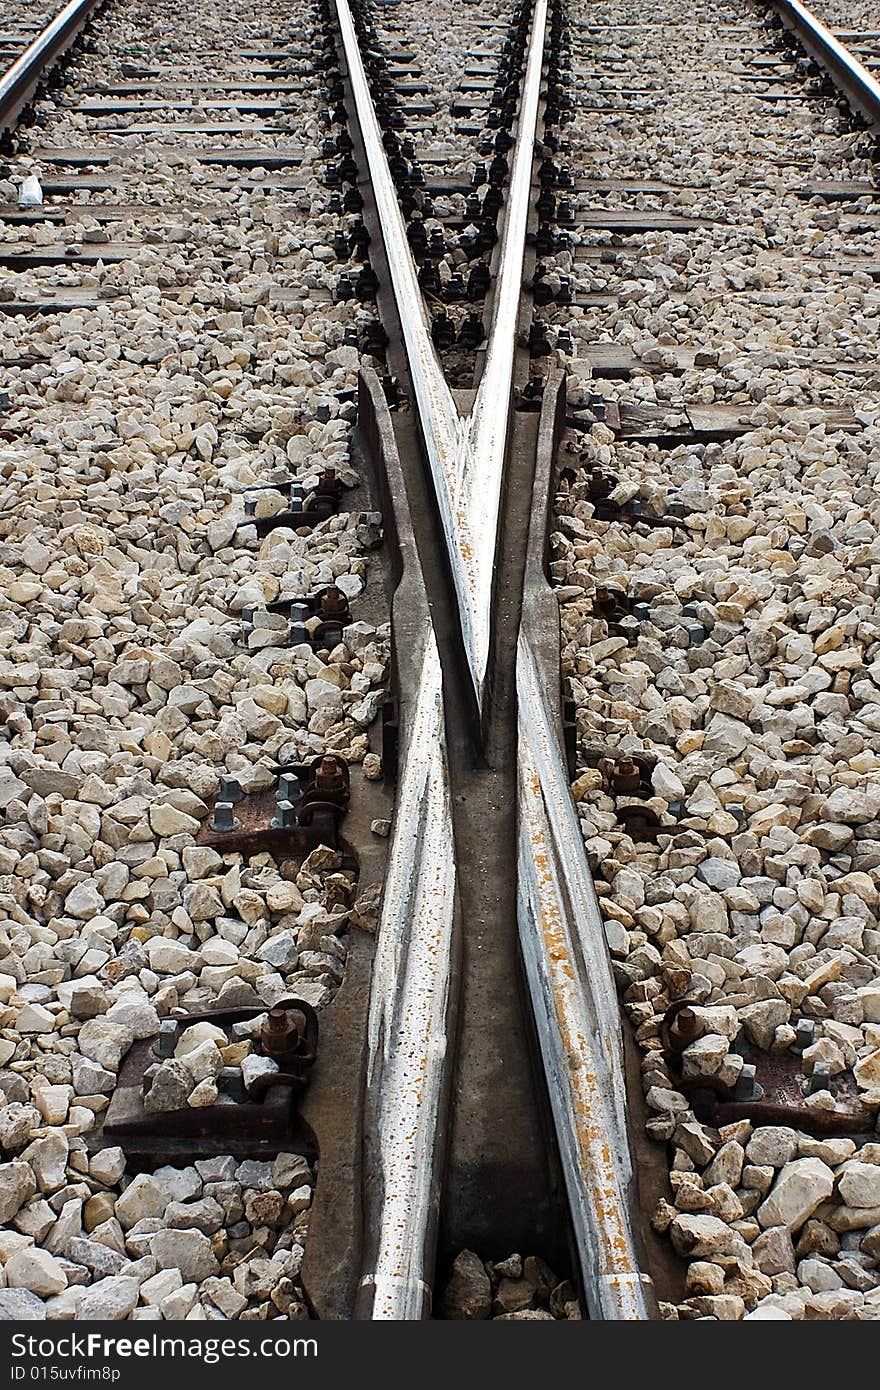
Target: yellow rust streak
[{"x": 596, "y": 1160}]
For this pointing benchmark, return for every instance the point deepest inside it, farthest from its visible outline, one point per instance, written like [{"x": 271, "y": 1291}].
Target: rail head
[
  {"x": 19, "y": 83},
  {"x": 562, "y": 937},
  {"x": 412, "y": 982},
  {"x": 466, "y": 456},
  {"x": 861, "y": 90}
]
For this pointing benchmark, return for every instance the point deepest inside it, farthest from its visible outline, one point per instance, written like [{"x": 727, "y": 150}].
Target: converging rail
[
  {"x": 562, "y": 942},
  {"x": 20, "y": 81},
  {"x": 491, "y": 1069}
]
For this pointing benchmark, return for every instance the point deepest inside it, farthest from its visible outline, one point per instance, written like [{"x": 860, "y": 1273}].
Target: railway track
[{"x": 473, "y": 1090}]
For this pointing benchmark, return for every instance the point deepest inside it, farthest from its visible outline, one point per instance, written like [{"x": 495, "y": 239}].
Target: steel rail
[
  {"x": 20, "y": 81},
  {"x": 483, "y": 466},
  {"x": 408, "y": 1012},
  {"x": 442, "y": 427},
  {"x": 576, "y": 1014},
  {"x": 466, "y": 455},
  {"x": 561, "y": 933},
  {"x": 852, "y": 77}
]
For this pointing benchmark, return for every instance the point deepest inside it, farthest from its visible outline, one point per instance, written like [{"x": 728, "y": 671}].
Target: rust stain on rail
[{"x": 595, "y": 1154}]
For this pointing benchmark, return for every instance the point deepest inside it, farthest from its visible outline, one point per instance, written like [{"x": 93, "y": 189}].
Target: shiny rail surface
[
  {"x": 562, "y": 939},
  {"x": 20, "y": 81},
  {"x": 466, "y": 456},
  {"x": 408, "y": 1011},
  {"x": 861, "y": 90},
  {"x": 481, "y": 464},
  {"x": 576, "y": 1014}
]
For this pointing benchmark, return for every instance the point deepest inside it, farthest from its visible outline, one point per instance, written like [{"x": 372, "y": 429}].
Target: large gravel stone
[
  {"x": 190, "y": 1252},
  {"x": 37, "y": 1270},
  {"x": 799, "y": 1189},
  {"x": 467, "y": 1293},
  {"x": 20, "y": 1305},
  {"x": 109, "y": 1300},
  {"x": 859, "y": 1184},
  {"x": 17, "y": 1185}
]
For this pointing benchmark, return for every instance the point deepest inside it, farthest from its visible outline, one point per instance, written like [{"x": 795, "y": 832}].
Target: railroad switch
[{"x": 255, "y": 1113}]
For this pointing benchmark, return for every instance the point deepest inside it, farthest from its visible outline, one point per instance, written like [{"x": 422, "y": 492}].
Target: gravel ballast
[
  {"x": 206, "y": 359},
  {"x": 747, "y": 678}
]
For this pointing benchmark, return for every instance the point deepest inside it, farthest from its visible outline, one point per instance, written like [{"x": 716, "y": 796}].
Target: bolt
[
  {"x": 330, "y": 776},
  {"x": 167, "y": 1039},
  {"x": 626, "y": 777},
  {"x": 600, "y": 485},
  {"x": 333, "y": 602},
  {"x": 148, "y": 1078},
  {"x": 279, "y": 1034},
  {"x": 230, "y": 1083},
  {"x": 286, "y": 817},
  {"x": 224, "y": 817},
  {"x": 747, "y": 1087},
  {"x": 289, "y": 787},
  {"x": 230, "y": 789},
  {"x": 820, "y": 1079},
  {"x": 685, "y": 1027}
]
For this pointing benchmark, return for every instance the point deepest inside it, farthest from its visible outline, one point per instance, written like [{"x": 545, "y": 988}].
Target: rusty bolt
[
  {"x": 280, "y": 1034},
  {"x": 330, "y": 777},
  {"x": 600, "y": 484},
  {"x": 680, "y": 1027},
  {"x": 328, "y": 483},
  {"x": 334, "y": 603},
  {"x": 625, "y": 777}
]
